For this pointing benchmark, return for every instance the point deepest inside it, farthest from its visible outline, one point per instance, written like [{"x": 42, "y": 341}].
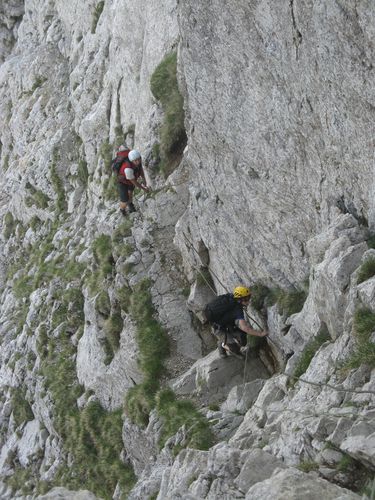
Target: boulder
[{"x": 295, "y": 485}]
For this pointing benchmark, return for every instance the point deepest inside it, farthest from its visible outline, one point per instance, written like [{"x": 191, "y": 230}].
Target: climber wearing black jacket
[{"x": 226, "y": 315}]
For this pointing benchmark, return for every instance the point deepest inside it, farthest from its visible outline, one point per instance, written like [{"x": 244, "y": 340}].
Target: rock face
[
  {"x": 275, "y": 188},
  {"x": 295, "y": 484},
  {"x": 273, "y": 134}
]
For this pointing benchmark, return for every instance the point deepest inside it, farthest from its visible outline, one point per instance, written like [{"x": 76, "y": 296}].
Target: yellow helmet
[{"x": 241, "y": 292}]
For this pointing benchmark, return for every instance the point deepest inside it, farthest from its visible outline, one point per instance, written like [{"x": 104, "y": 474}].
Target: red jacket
[{"x": 137, "y": 169}]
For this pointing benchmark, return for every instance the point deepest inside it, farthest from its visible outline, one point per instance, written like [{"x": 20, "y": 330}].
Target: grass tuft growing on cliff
[
  {"x": 83, "y": 173},
  {"x": 309, "y": 352},
  {"x": 153, "y": 349},
  {"x": 103, "y": 304},
  {"x": 22, "y": 411},
  {"x": 95, "y": 443},
  {"x": 96, "y": 16},
  {"x": 58, "y": 187},
  {"x": 123, "y": 230},
  {"x": 112, "y": 329},
  {"x": 259, "y": 295},
  {"x": 175, "y": 414},
  {"x": 37, "y": 197},
  {"x": 110, "y": 181},
  {"x": 103, "y": 262},
  {"x": 9, "y": 225},
  {"x": 289, "y": 301},
  {"x": 91, "y": 437},
  {"x": 308, "y": 466},
  {"x": 364, "y": 327},
  {"x": 371, "y": 241},
  {"x": 367, "y": 270},
  {"x": 140, "y": 400},
  {"x": 164, "y": 87}
]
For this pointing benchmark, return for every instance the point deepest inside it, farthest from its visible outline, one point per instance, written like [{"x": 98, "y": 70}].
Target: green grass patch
[
  {"x": 95, "y": 443},
  {"x": 72, "y": 300},
  {"x": 37, "y": 197},
  {"x": 140, "y": 400},
  {"x": 309, "y": 352},
  {"x": 23, "y": 286},
  {"x": 102, "y": 250},
  {"x": 103, "y": 304},
  {"x": 368, "y": 490},
  {"x": 364, "y": 326},
  {"x": 36, "y": 271},
  {"x": 58, "y": 187},
  {"x": 9, "y": 225},
  {"x": 103, "y": 262},
  {"x": 82, "y": 172},
  {"x": 112, "y": 329},
  {"x": 106, "y": 151},
  {"x": 346, "y": 463},
  {"x": 38, "y": 83},
  {"x": 259, "y": 295},
  {"x": 153, "y": 347},
  {"x": 308, "y": 466},
  {"x": 367, "y": 270},
  {"x": 175, "y": 414},
  {"x": 123, "y": 296},
  {"x": 35, "y": 223},
  {"x": 22, "y": 411},
  {"x": 289, "y": 301},
  {"x": 119, "y": 132},
  {"x": 110, "y": 188},
  {"x": 164, "y": 87},
  {"x": 123, "y": 230},
  {"x": 151, "y": 337},
  {"x": 96, "y": 16},
  {"x": 92, "y": 437},
  {"x": 6, "y": 163},
  {"x": 371, "y": 241},
  {"x": 58, "y": 369},
  {"x": 22, "y": 480}
]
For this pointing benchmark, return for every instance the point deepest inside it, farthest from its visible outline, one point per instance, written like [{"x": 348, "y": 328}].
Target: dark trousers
[{"x": 230, "y": 335}]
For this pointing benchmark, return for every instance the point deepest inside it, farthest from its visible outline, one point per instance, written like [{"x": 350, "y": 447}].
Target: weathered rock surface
[
  {"x": 64, "y": 494},
  {"x": 211, "y": 378},
  {"x": 276, "y": 185},
  {"x": 294, "y": 484},
  {"x": 291, "y": 89}
]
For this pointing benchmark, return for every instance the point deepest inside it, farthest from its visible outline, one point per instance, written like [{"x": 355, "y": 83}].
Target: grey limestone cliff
[{"x": 255, "y": 120}]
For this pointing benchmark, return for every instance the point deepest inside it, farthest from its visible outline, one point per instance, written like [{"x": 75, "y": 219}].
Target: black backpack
[
  {"x": 216, "y": 309},
  {"x": 117, "y": 162}
]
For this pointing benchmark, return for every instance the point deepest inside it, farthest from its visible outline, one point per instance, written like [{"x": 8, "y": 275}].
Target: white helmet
[
  {"x": 134, "y": 155},
  {"x": 123, "y": 147}
]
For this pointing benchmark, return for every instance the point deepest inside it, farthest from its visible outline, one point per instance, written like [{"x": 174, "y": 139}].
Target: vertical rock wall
[
  {"x": 280, "y": 103},
  {"x": 277, "y": 183}
]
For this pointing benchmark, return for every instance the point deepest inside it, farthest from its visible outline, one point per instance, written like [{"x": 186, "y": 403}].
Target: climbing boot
[
  {"x": 234, "y": 350},
  {"x": 123, "y": 212},
  {"x": 131, "y": 208},
  {"x": 222, "y": 351}
]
